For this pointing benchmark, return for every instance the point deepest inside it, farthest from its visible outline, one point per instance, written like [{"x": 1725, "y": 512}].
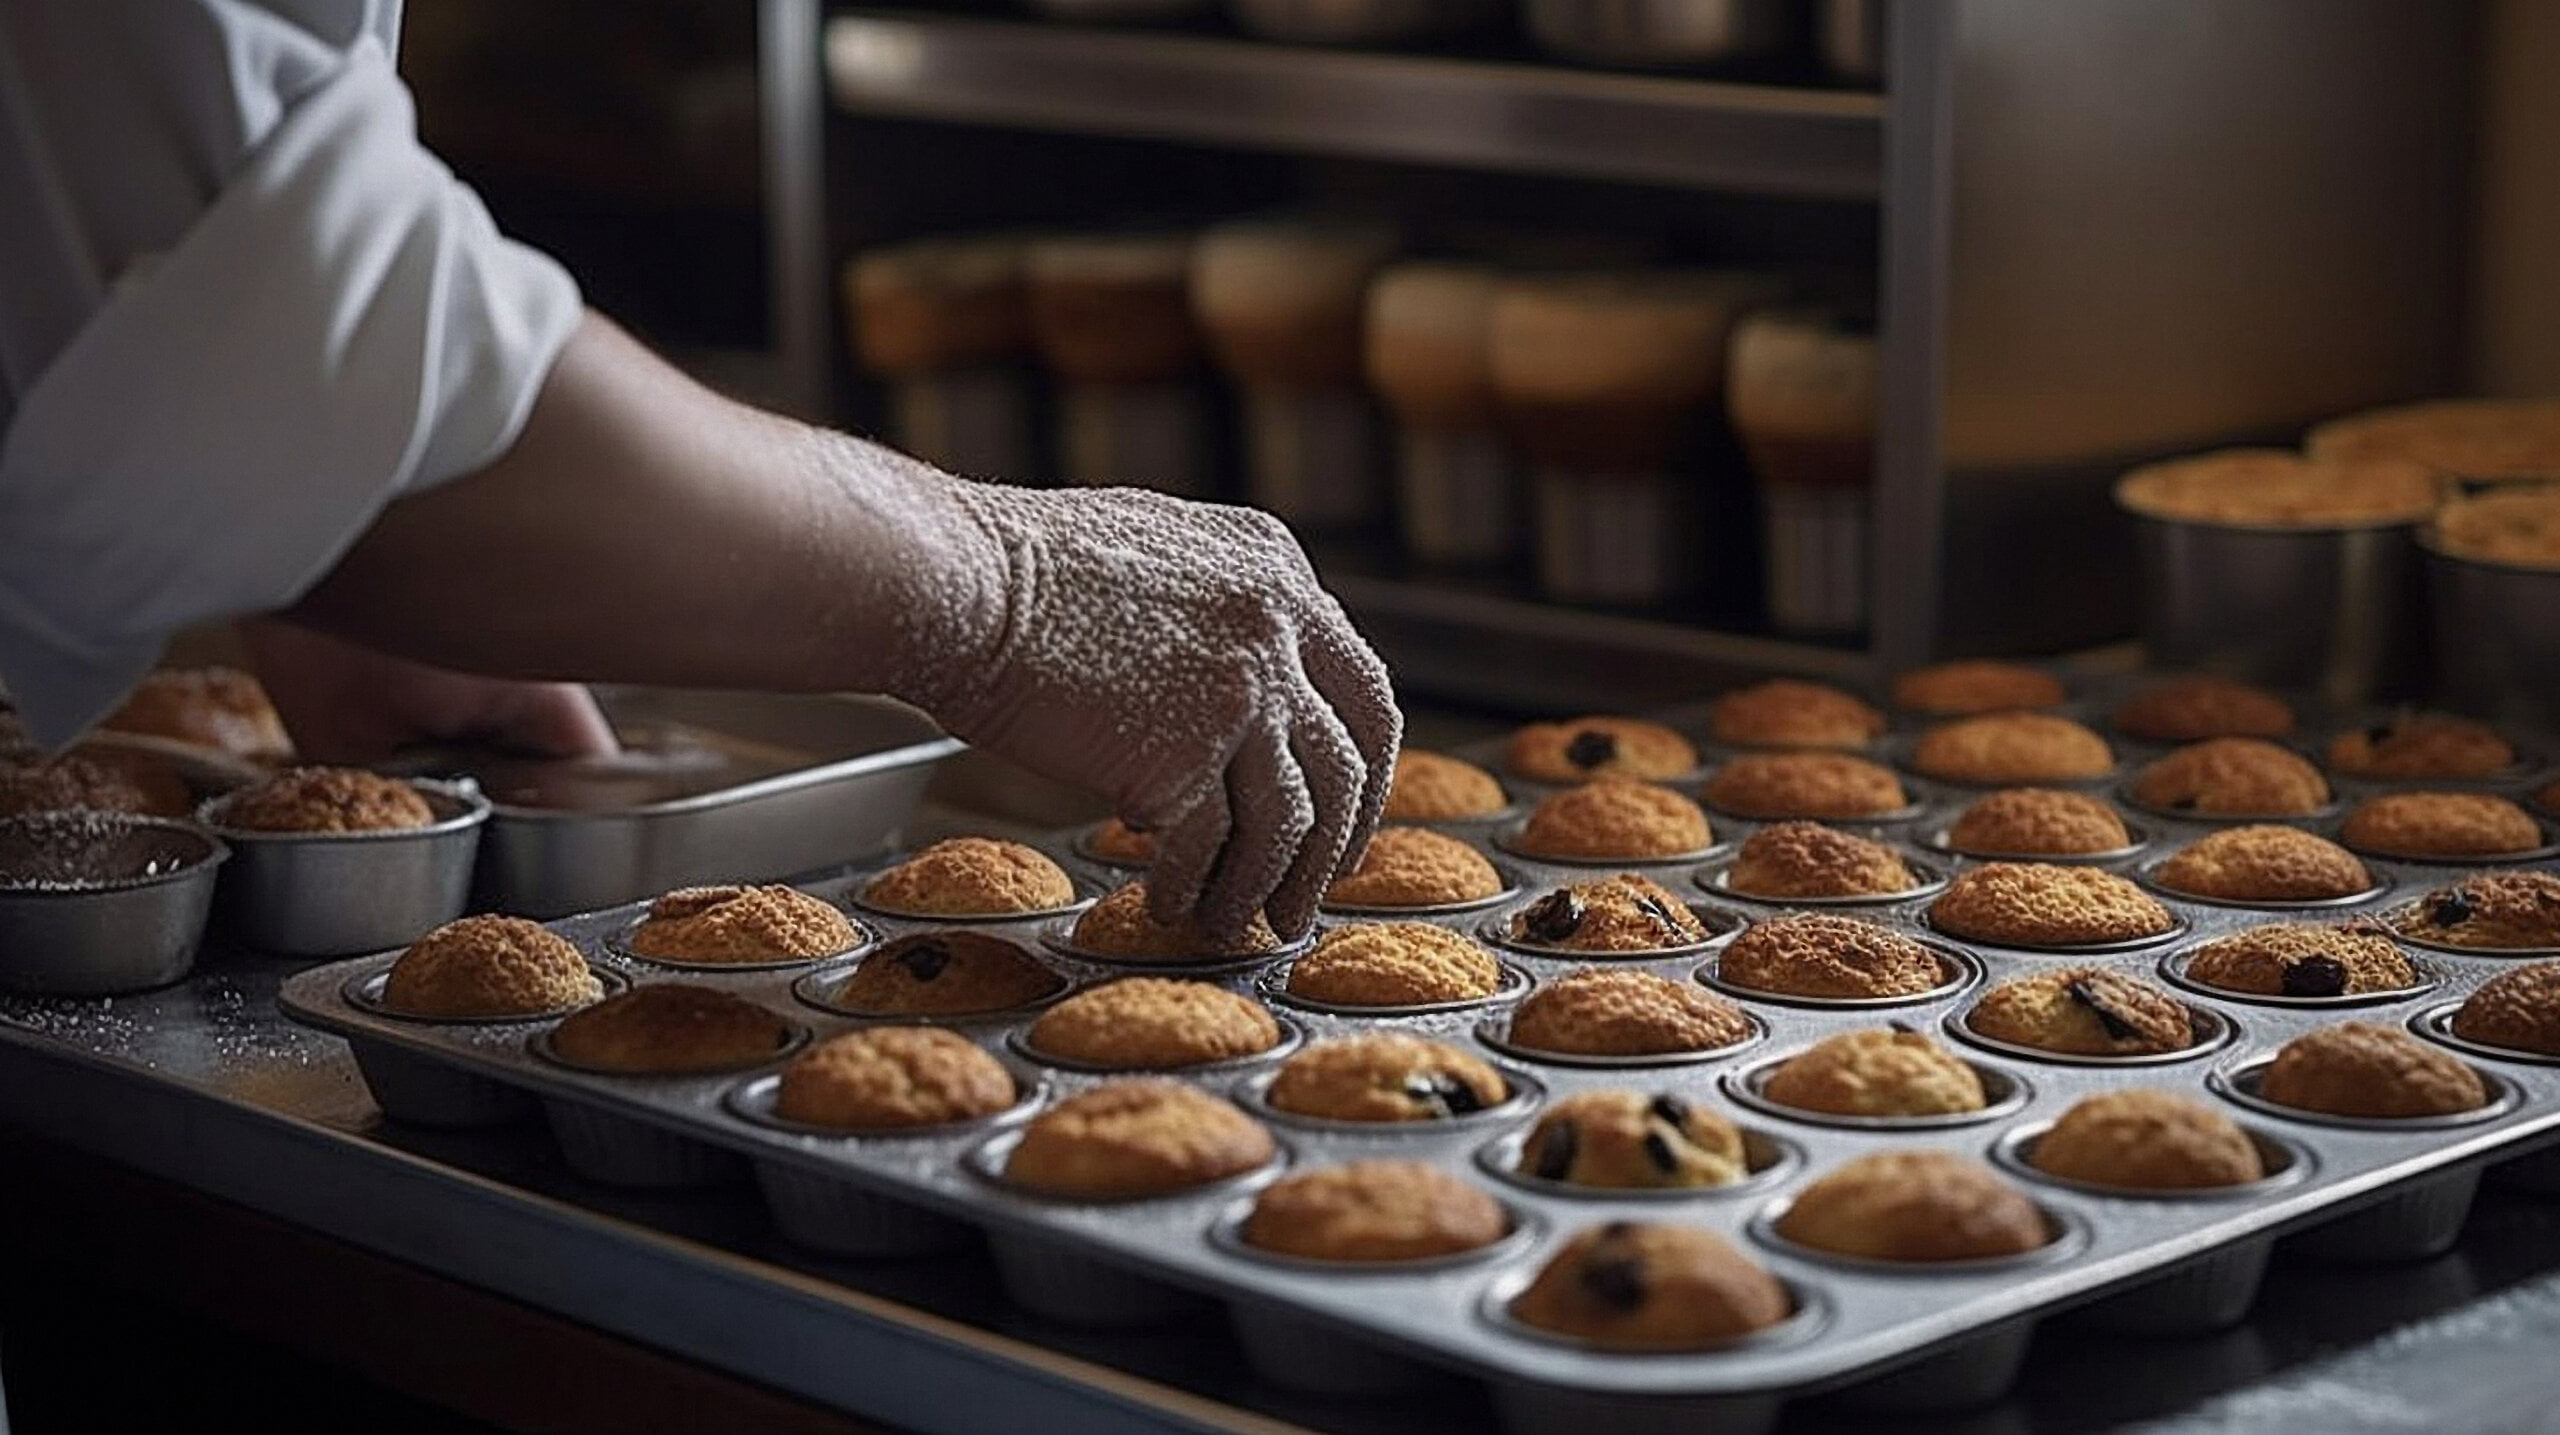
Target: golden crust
[
  {"x": 1807, "y": 859},
  {"x": 1876, "y": 1072},
  {"x": 326, "y": 799},
  {"x": 2037, "y": 822},
  {"x": 1137, "y": 1138},
  {"x": 1820, "y": 955},
  {"x": 1914, "y": 1206},
  {"x": 1431, "y": 787},
  {"x": 1605, "y": 1011},
  {"x": 2279, "y": 488},
  {"x": 884, "y": 1078},
  {"x": 1122, "y": 845},
  {"x": 1385, "y": 964},
  {"x": 1598, "y": 746},
  {"x": 670, "y": 1029},
  {"x": 1788, "y": 712},
  {"x": 2519, "y": 526},
  {"x": 2422, "y": 746},
  {"x": 2440, "y": 824},
  {"x": 2084, "y": 1011},
  {"x": 2190, "y": 709},
  {"x": 2011, "y": 748},
  {"x": 1978, "y": 685},
  {"x": 770, "y": 923},
  {"x": 2491, "y": 911},
  {"x": 972, "y": 877},
  {"x": 2358, "y": 1068},
  {"x": 2046, "y": 904},
  {"x": 2263, "y": 862},
  {"x": 220, "y": 708},
  {"x": 2233, "y": 777},
  {"x": 1628, "y": 1140},
  {"x": 2458, "y": 438},
  {"x": 1373, "y": 1211},
  {"x": 2304, "y": 959},
  {"x": 1615, "y": 821},
  {"x": 947, "y": 973},
  {"x": 1152, "y": 1023},
  {"x": 489, "y": 967},
  {"x": 1639, "y": 1286},
  {"x": 1384, "y": 1076},
  {"x": 1624, "y": 913},
  {"x": 1415, "y": 867},
  {"x": 82, "y": 780},
  {"x": 2148, "y": 1140},
  {"x": 1806, "y": 784},
  {"x": 1118, "y": 926},
  {"x": 2519, "y": 1008}
]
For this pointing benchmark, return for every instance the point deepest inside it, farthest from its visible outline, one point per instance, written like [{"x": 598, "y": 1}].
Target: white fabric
[{"x": 241, "y": 309}]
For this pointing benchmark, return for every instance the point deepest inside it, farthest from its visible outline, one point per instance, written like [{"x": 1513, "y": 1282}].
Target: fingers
[
  {"x": 1354, "y": 684},
  {"x": 1270, "y": 813},
  {"x": 558, "y": 720},
  {"x": 1335, "y": 777},
  {"x": 1186, "y": 851}
]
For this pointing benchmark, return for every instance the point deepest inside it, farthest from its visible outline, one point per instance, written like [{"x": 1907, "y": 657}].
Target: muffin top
[
  {"x": 2280, "y": 488},
  {"x": 1615, "y": 821},
  {"x": 949, "y": 973},
  {"x": 1429, "y": 787},
  {"x": 1152, "y": 1023},
  {"x": 1384, "y": 1076},
  {"x": 83, "y": 780},
  {"x": 1632, "y": 1285},
  {"x": 1807, "y": 859},
  {"x": 2233, "y": 777},
  {"x": 2491, "y": 910},
  {"x": 1806, "y": 784},
  {"x": 2263, "y": 862},
  {"x": 1914, "y": 1206},
  {"x": 887, "y": 1077},
  {"x": 1613, "y": 1011},
  {"x": 2360, "y": 1068},
  {"x": 1589, "y": 747},
  {"x": 2045, "y": 904},
  {"x": 1629, "y": 1140},
  {"x": 1120, "y": 844},
  {"x": 2518, "y": 526},
  {"x": 1136, "y": 1138},
  {"x": 2304, "y": 959},
  {"x": 1820, "y": 955},
  {"x": 2037, "y": 822},
  {"x": 1415, "y": 867},
  {"x": 2190, "y": 709},
  {"x": 1389, "y": 964},
  {"x": 1119, "y": 926},
  {"x": 1373, "y": 1211},
  {"x": 1976, "y": 685},
  {"x": 2519, "y": 1007},
  {"x": 2003, "y": 748},
  {"x": 2440, "y": 824},
  {"x": 2422, "y": 745},
  {"x": 2147, "y": 1140},
  {"x": 972, "y": 877},
  {"x": 2084, "y": 1011},
  {"x": 489, "y": 967},
  {"x": 326, "y": 799},
  {"x": 1876, "y": 1071},
  {"x": 1625, "y": 913},
  {"x": 1788, "y": 712},
  {"x": 670, "y": 1029},
  {"x": 221, "y": 708},
  {"x": 770, "y": 923},
  {"x": 2458, "y": 438}
]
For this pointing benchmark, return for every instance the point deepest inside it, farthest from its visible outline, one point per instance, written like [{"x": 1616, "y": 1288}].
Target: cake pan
[
  {"x": 1664, "y": 32},
  {"x": 1457, "y": 497},
  {"x": 2497, "y": 637},
  {"x": 94, "y": 903},
  {"x": 2337, "y": 612},
  {"x": 1357, "y": 22},
  {"x": 334, "y": 894}
]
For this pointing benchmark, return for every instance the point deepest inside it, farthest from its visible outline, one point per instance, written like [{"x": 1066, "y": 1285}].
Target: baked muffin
[
  {"x": 2037, "y": 822},
  {"x": 1806, "y": 859},
  {"x": 2005, "y": 748},
  {"x": 1589, "y": 747},
  {"x": 946, "y": 974},
  {"x": 1977, "y": 685},
  {"x": 1384, "y": 1076},
  {"x": 770, "y": 923},
  {"x": 2440, "y": 824},
  {"x": 2146, "y": 1140},
  {"x": 1120, "y": 844},
  {"x": 2046, "y": 904},
  {"x": 2190, "y": 709},
  {"x": 2492, "y": 911},
  {"x": 2263, "y": 862},
  {"x": 1136, "y": 1138},
  {"x": 1633, "y": 1285},
  {"x": 972, "y": 877},
  {"x": 2303, "y": 959},
  {"x": 1914, "y": 1206},
  {"x": 325, "y": 800},
  {"x": 1393, "y": 964},
  {"x": 2518, "y": 526},
  {"x": 79, "y": 780},
  {"x": 2084, "y": 1011},
  {"x": 2456, "y": 438},
  {"x": 1806, "y": 784},
  {"x": 1615, "y": 822},
  {"x": 1607, "y": 1011},
  {"x": 220, "y": 708},
  {"x": 885, "y": 1078},
  {"x": 2361, "y": 1068},
  {"x": 1876, "y": 1072},
  {"x": 1788, "y": 712},
  {"x": 1627, "y": 1140},
  {"x": 670, "y": 1029},
  {"x": 1373, "y": 1211},
  {"x": 1625, "y": 913},
  {"x": 489, "y": 967},
  {"x": 2519, "y": 1008},
  {"x": 1119, "y": 926},
  {"x": 1151, "y": 1023},
  {"x": 2233, "y": 777},
  {"x": 1828, "y": 957},
  {"x": 2427, "y": 746},
  {"x": 1429, "y": 787},
  {"x": 2275, "y": 488},
  {"x": 1415, "y": 867}
]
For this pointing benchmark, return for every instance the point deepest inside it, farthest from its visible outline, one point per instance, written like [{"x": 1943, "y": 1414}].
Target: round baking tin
[
  {"x": 1292, "y": 1036},
  {"x": 986, "y": 1161},
  {"x": 1495, "y": 1032},
  {"x": 2435, "y": 1023},
  {"x": 811, "y": 989},
  {"x": 2287, "y": 1163},
  {"x": 753, "y": 1099},
  {"x": 2216, "y": 1031},
  {"x": 539, "y": 1046},
  {"x": 2004, "y": 1093},
  {"x": 1273, "y": 985},
  {"x": 2238, "y": 1084},
  {"x": 1057, "y": 934},
  {"x": 2173, "y": 968},
  {"x": 1522, "y": 1095},
  {"x": 2070, "y": 1235},
  {"x": 2178, "y": 927},
  {"x": 1812, "y": 1312},
  {"x": 365, "y": 991},
  {"x": 2148, "y": 875},
  {"x": 1933, "y": 878},
  {"x": 1769, "y": 1159},
  {"x": 1722, "y": 926},
  {"x": 1523, "y": 1228},
  {"x": 1962, "y": 970}
]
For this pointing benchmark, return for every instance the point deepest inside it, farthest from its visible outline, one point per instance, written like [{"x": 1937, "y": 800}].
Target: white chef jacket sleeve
[{"x": 342, "y": 324}]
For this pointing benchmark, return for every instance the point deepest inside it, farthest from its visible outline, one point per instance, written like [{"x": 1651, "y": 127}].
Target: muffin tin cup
[
  {"x": 2391, "y": 920},
  {"x": 364, "y": 992},
  {"x": 1273, "y": 986},
  {"x": 335, "y": 894},
  {"x": 2529, "y": 762},
  {"x": 1888, "y": 817},
  {"x": 619, "y": 944},
  {"x": 1292, "y": 1036},
  {"x": 1936, "y": 840},
  {"x": 1960, "y": 971},
  {"x": 613, "y": 1149},
  {"x": 2178, "y": 927},
  {"x": 1769, "y": 1158},
  {"x": 2197, "y": 1296},
  {"x": 1722, "y": 927},
  {"x": 2287, "y": 1163},
  {"x": 2322, "y": 813},
  {"x": 1717, "y": 878},
  {"x": 2215, "y": 1031},
  {"x": 975, "y": 919},
  {"x": 2417, "y": 1220},
  {"x": 2536, "y": 1173},
  {"x": 2149, "y": 875},
  {"x": 1058, "y": 935},
  {"x": 986, "y": 1161},
  {"x": 1525, "y": 1093},
  {"x": 1423, "y": 912},
  {"x": 753, "y": 1100},
  {"x": 2174, "y": 969},
  {"x": 2004, "y": 1094},
  {"x": 797, "y": 1037},
  {"x": 2237, "y": 1082},
  {"x": 1901, "y": 749},
  {"x": 2067, "y": 1235},
  {"x": 1508, "y": 839},
  {"x": 1495, "y": 1033},
  {"x": 2545, "y": 850},
  {"x": 422, "y": 1091},
  {"x": 1810, "y": 1315},
  {"x": 816, "y": 989},
  {"x": 2436, "y": 1024},
  {"x": 1522, "y": 1230},
  {"x": 824, "y": 1212},
  {"x": 1976, "y": 1370},
  {"x": 1522, "y": 1408}
]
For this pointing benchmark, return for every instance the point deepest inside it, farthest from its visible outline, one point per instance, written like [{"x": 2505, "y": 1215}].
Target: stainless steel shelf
[{"x": 1765, "y": 139}]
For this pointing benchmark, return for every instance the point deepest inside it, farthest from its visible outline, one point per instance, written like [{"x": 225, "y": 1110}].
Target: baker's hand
[{"x": 347, "y": 703}]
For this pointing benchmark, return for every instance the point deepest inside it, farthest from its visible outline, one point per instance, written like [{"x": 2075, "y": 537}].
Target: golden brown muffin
[
  {"x": 2427, "y": 746},
  {"x": 2233, "y": 777},
  {"x": 1151, "y": 1023},
  {"x": 2360, "y": 1068},
  {"x": 2519, "y": 526},
  {"x": 220, "y": 708},
  {"x": 1384, "y": 1076},
  {"x": 2190, "y": 709},
  {"x": 1828, "y": 957},
  {"x": 1136, "y": 1138},
  {"x": 1118, "y": 926},
  {"x": 2147, "y": 1140},
  {"x": 489, "y": 967},
  {"x": 2518, "y": 1008},
  {"x": 1978, "y": 685},
  {"x": 770, "y": 923},
  {"x": 2084, "y": 1011},
  {"x": 1120, "y": 844},
  {"x": 1637, "y": 1286},
  {"x": 2303, "y": 959},
  {"x": 1787, "y": 712},
  {"x": 972, "y": 877},
  {"x": 2492, "y": 911},
  {"x": 1807, "y": 859},
  {"x": 2280, "y": 488},
  {"x": 1605, "y": 1011},
  {"x": 1589, "y": 747},
  {"x": 1876, "y": 1072},
  {"x": 1915, "y": 1206},
  {"x": 1806, "y": 784},
  {"x": 1415, "y": 867},
  {"x": 1629, "y": 1141},
  {"x": 1615, "y": 822},
  {"x": 2263, "y": 862},
  {"x": 2037, "y": 822},
  {"x": 1390, "y": 964},
  {"x": 885, "y": 1078},
  {"x": 670, "y": 1029},
  {"x": 1429, "y": 787},
  {"x": 77, "y": 780},
  {"x": 1625, "y": 913},
  {"x": 2002, "y": 748},
  {"x": 1373, "y": 1211},
  {"x": 951, "y": 973},
  {"x": 2045, "y": 904},
  {"x": 2440, "y": 824},
  {"x": 2456, "y": 438},
  {"x": 326, "y": 799}
]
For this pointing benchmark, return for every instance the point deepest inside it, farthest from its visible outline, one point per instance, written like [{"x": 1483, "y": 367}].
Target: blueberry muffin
[
  {"x": 220, "y": 708},
  {"x": 2037, "y": 822},
  {"x": 1876, "y": 1072},
  {"x": 670, "y": 1029},
  {"x": 2190, "y": 709},
  {"x": 1415, "y": 867},
  {"x": 1604, "y": 1011},
  {"x": 2360, "y": 1068},
  {"x": 1151, "y": 1023},
  {"x": 2084, "y": 1011},
  {"x": 1973, "y": 686},
  {"x": 2044, "y": 904},
  {"x": 946, "y": 974},
  {"x": 1589, "y": 747},
  {"x": 489, "y": 967},
  {"x": 2233, "y": 777},
  {"x": 1638, "y": 1286},
  {"x": 1827, "y": 957},
  {"x": 1629, "y": 1141},
  {"x": 2264, "y": 863},
  {"x": 2518, "y": 1009},
  {"x": 1384, "y": 1076},
  {"x": 326, "y": 800},
  {"x": 1429, "y": 787},
  {"x": 2426, "y": 746},
  {"x": 2304, "y": 959},
  {"x": 2146, "y": 1140},
  {"x": 1787, "y": 712},
  {"x": 1119, "y": 926},
  {"x": 1120, "y": 844},
  {"x": 770, "y": 923},
  {"x": 1806, "y": 859},
  {"x": 1914, "y": 1206},
  {"x": 1615, "y": 822},
  {"x": 1806, "y": 784},
  {"x": 2493, "y": 911},
  {"x": 1372, "y": 1211},
  {"x": 1998, "y": 749},
  {"x": 2440, "y": 824},
  {"x": 972, "y": 877},
  {"x": 1625, "y": 913},
  {"x": 1394, "y": 964},
  {"x": 887, "y": 1078},
  {"x": 1136, "y": 1138},
  {"x": 86, "y": 781}
]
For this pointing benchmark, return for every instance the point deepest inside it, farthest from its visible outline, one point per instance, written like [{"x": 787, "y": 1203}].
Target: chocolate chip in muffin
[
  {"x": 1657, "y": 1149},
  {"x": 1660, "y": 911},
  {"x": 925, "y": 961},
  {"x": 1670, "y": 1109},
  {"x": 2317, "y": 975},
  {"x": 1591, "y": 748},
  {"x": 1555, "y": 1151},
  {"x": 1616, "y": 1280},
  {"x": 2115, "y": 1023},
  {"x": 1554, "y": 917},
  {"x": 1446, "y": 1095}
]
